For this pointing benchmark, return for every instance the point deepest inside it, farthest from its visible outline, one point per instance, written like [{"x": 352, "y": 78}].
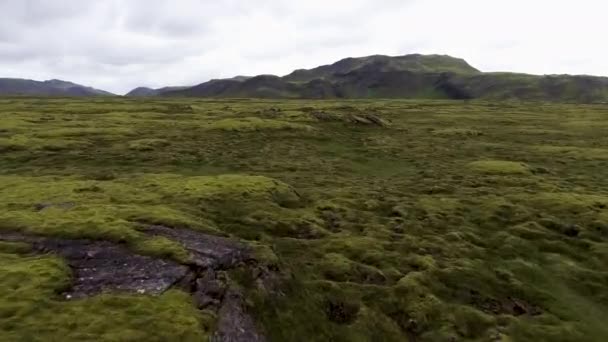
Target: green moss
[
  {"x": 14, "y": 143},
  {"x": 14, "y": 247},
  {"x": 337, "y": 267},
  {"x": 84, "y": 132},
  {"x": 213, "y": 187},
  {"x": 377, "y": 234},
  {"x": 438, "y": 204},
  {"x": 561, "y": 202},
  {"x": 499, "y": 167},
  {"x": 30, "y": 310},
  {"x": 265, "y": 255},
  {"x": 574, "y": 152},
  {"x": 162, "y": 247},
  {"x": 418, "y": 309},
  {"x": 462, "y": 132},
  {"x": 147, "y": 144},
  {"x": 254, "y": 124},
  {"x": 472, "y": 323}
]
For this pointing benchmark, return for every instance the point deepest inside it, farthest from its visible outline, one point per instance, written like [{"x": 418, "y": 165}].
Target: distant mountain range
[
  {"x": 17, "y": 86},
  {"x": 411, "y": 76},
  {"x": 145, "y": 91}
]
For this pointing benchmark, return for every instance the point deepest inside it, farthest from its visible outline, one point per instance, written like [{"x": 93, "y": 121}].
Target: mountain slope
[
  {"x": 504, "y": 86},
  {"x": 145, "y": 91},
  {"x": 410, "y": 76},
  {"x": 17, "y": 86},
  {"x": 380, "y": 63}
]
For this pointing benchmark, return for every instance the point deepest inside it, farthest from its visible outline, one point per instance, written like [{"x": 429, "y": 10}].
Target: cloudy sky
[{"x": 117, "y": 45}]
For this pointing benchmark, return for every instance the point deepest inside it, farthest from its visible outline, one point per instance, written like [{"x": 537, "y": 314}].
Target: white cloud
[{"x": 117, "y": 45}]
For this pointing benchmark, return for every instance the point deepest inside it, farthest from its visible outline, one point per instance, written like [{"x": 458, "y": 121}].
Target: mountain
[
  {"x": 413, "y": 63},
  {"x": 409, "y": 76},
  {"x": 17, "y": 86},
  {"x": 145, "y": 92},
  {"x": 505, "y": 86}
]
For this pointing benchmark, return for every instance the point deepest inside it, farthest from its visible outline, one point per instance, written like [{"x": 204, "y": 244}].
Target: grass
[{"x": 409, "y": 232}]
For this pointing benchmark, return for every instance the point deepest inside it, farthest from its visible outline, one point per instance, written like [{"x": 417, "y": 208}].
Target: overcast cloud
[{"x": 117, "y": 45}]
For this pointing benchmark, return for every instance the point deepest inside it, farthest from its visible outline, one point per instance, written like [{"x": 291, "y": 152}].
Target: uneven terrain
[{"x": 156, "y": 219}]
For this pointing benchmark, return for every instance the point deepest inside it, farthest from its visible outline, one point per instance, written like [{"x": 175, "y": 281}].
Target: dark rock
[
  {"x": 207, "y": 251},
  {"x": 62, "y": 205},
  {"x": 378, "y": 121},
  {"x": 187, "y": 283},
  {"x": 210, "y": 285},
  {"x": 572, "y": 230},
  {"x": 540, "y": 171},
  {"x": 333, "y": 221},
  {"x": 100, "y": 266},
  {"x": 324, "y": 116},
  {"x": 234, "y": 324},
  {"x": 268, "y": 280},
  {"x": 204, "y": 301},
  {"x": 510, "y": 305},
  {"x": 341, "y": 311},
  {"x": 103, "y": 266},
  {"x": 356, "y": 119}
]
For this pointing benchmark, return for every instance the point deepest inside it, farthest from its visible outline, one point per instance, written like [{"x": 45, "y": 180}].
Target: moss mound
[
  {"x": 426, "y": 230},
  {"x": 499, "y": 167},
  {"x": 249, "y": 124}
]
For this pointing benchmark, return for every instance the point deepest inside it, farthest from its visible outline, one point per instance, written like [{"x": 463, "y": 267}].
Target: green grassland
[{"x": 458, "y": 221}]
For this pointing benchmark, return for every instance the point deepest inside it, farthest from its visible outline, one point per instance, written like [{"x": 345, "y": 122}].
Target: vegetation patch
[
  {"x": 147, "y": 144},
  {"x": 463, "y": 132},
  {"x": 249, "y": 124},
  {"x": 424, "y": 231},
  {"x": 499, "y": 167},
  {"x": 575, "y": 152}
]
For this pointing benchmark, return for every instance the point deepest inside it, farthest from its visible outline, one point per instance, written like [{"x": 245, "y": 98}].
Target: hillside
[
  {"x": 379, "y": 63},
  {"x": 288, "y": 220},
  {"x": 15, "y": 86},
  {"x": 167, "y": 91},
  {"x": 408, "y": 77},
  {"x": 146, "y": 92}
]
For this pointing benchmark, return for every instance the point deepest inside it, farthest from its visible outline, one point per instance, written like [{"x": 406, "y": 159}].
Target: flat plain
[{"x": 384, "y": 220}]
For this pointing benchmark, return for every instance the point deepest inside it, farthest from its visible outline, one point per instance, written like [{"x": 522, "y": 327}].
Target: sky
[{"x": 117, "y": 45}]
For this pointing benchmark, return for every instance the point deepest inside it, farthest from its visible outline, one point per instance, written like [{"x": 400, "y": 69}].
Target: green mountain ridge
[
  {"x": 381, "y": 63},
  {"x": 410, "y": 76},
  {"x": 17, "y": 86},
  {"x": 145, "y": 91}
]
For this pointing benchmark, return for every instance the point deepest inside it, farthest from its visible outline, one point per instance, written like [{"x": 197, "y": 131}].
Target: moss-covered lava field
[{"x": 362, "y": 220}]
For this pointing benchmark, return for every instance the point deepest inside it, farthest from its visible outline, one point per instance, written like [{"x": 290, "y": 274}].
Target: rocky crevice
[{"x": 103, "y": 266}]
